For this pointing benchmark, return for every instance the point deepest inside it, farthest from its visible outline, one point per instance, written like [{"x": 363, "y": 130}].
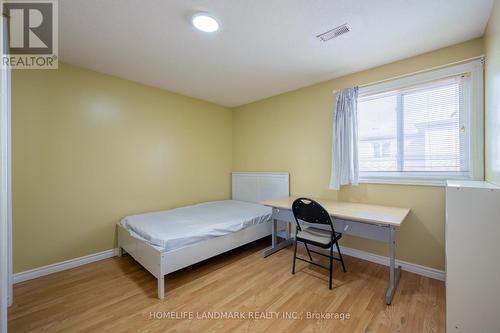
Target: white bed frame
[{"x": 246, "y": 186}]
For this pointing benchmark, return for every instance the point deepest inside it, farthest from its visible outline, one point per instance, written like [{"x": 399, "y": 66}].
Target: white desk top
[{"x": 351, "y": 211}]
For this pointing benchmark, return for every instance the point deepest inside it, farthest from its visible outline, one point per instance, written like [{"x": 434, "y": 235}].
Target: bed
[{"x": 166, "y": 241}]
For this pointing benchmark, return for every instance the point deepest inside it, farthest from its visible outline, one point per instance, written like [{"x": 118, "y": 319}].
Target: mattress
[{"x": 180, "y": 227}]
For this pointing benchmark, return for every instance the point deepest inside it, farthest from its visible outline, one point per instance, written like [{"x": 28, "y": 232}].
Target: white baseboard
[
  {"x": 72, "y": 263},
  {"x": 405, "y": 266},
  {"x": 62, "y": 266}
]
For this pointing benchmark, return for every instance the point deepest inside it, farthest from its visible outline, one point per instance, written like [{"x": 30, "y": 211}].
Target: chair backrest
[{"x": 311, "y": 212}]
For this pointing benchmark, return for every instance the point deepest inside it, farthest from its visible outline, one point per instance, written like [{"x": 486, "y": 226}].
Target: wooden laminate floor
[{"x": 118, "y": 295}]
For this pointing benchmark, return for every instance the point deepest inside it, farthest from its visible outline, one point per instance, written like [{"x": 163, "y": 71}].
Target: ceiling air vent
[{"x": 335, "y": 32}]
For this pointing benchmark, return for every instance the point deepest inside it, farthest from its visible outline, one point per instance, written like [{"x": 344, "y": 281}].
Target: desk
[{"x": 368, "y": 221}]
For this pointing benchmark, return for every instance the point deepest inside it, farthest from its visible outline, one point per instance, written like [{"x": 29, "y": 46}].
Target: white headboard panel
[{"x": 260, "y": 186}]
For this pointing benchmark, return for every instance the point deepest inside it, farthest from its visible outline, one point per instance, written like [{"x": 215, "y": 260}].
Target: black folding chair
[{"x": 314, "y": 215}]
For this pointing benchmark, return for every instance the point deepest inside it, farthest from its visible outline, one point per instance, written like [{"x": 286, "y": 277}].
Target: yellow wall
[
  {"x": 492, "y": 96},
  {"x": 89, "y": 149},
  {"x": 292, "y": 132}
]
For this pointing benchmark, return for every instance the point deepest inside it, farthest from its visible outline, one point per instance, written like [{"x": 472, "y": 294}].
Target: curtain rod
[{"x": 418, "y": 72}]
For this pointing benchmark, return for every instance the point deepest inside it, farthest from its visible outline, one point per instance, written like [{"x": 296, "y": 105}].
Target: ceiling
[{"x": 264, "y": 47}]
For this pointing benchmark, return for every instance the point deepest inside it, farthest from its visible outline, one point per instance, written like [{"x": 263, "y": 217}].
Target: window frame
[{"x": 474, "y": 119}]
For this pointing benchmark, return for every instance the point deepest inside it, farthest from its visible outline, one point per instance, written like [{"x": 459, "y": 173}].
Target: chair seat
[{"x": 317, "y": 236}]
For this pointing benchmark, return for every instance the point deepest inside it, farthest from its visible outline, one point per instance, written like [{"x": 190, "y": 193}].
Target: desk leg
[
  {"x": 274, "y": 234},
  {"x": 275, "y": 244},
  {"x": 394, "y": 272}
]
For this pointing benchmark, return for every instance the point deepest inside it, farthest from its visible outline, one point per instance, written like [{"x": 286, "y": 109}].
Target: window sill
[
  {"x": 389, "y": 181},
  {"x": 408, "y": 181}
]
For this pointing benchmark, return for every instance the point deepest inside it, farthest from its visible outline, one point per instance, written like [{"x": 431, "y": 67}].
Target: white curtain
[{"x": 345, "y": 139}]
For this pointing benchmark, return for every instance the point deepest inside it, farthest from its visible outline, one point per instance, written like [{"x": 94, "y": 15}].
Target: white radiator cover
[{"x": 472, "y": 257}]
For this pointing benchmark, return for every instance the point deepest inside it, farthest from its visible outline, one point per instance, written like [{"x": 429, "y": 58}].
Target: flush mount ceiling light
[{"x": 205, "y": 22}]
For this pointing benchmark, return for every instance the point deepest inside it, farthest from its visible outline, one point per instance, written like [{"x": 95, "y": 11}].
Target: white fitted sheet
[{"x": 180, "y": 227}]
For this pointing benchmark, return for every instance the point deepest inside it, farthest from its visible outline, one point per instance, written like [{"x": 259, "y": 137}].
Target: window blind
[{"x": 419, "y": 129}]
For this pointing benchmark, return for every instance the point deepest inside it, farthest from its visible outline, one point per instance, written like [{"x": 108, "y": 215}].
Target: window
[{"x": 422, "y": 129}]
